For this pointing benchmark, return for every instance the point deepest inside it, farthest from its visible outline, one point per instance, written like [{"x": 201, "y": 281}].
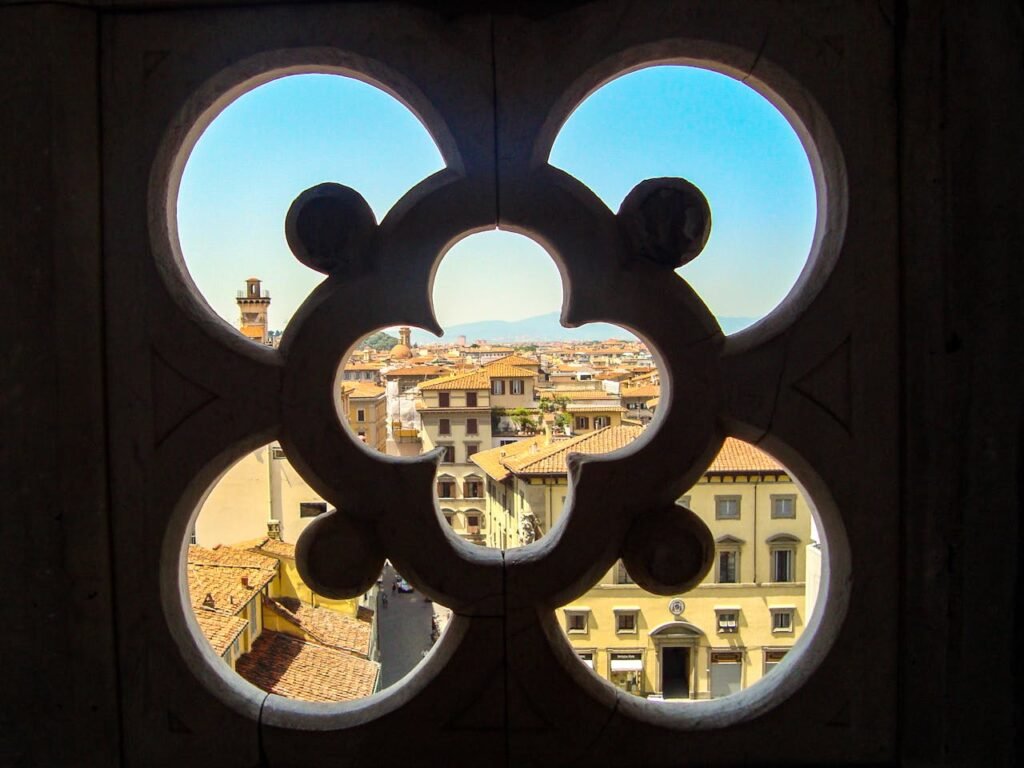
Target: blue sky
[{"x": 292, "y": 133}]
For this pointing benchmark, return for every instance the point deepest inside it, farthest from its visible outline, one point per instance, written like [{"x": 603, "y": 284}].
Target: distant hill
[{"x": 546, "y": 328}]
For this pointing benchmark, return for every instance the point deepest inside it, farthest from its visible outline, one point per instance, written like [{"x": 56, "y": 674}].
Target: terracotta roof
[
  {"x": 363, "y": 389},
  {"x": 472, "y": 380},
  {"x": 502, "y": 369},
  {"x": 363, "y": 366},
  {"x": 326, "y": 626},
  {"x": 517, "y": 360},
  {"x": 274, "y": 548},
  {"x": 220, "y": 630},
  {"x": 287, "y": 666},
  {"x": 738, "y": 456},
  {"x": 417, "y": 370},
  {"x": 533, "y": 457},
  {"x": 491, "y": 460},
  {"x": 645, "y": 390},
  {"x": 215, "y": 577}
]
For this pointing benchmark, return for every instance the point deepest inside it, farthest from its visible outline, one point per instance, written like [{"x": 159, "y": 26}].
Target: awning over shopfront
[{"x": 627, "y": 665}]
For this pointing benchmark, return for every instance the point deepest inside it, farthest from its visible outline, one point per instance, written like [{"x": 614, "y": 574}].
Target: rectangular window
[
  {"x": 474, "y": 489},
  {"x": 728, "y": 566},
  {"x": 621, "y": 574},
  {"x": 444, "y": 427},
  {"x": 726, "y": 673},
  {"x": 312, "y": 508},
  {"x": 446, "y": 489},
  {"x": 516, "y": 386},
  {"x": 497, "y": 386},
  {"x": 444, "y": 399},
  {"x": 471, "y": 426},
  {"x": 575, "y": 622},
  {"x": 784, "y": 506},
  {"x": 448, "y": 457},
  {"x": 471, "y": 399},
  {"x": 728, "y": 620},
  {"x": 601, "y": 421},
  {"x": 625, "y": 621},
  {"x": 782, "y": 619},
  {"x": 782, "y": 564},
  {"x": 473, "y": 523},
  {"x": 772, "y": 657},
  {"x": 471, "y": 448},
  {"x": 727, "y": 507},
  {"x": 582, "y": 422},
  {"x": 360, "y": 415}
]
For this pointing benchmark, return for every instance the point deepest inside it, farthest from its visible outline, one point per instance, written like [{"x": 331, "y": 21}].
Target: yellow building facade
[{"x": 722, "y": 636}]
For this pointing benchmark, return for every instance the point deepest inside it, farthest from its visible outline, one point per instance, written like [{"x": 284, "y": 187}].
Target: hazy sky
[{"x": 288, "y": 135}]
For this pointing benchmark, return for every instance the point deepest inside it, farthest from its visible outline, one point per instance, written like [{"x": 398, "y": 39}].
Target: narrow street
[{"x": 403, "y": 629}]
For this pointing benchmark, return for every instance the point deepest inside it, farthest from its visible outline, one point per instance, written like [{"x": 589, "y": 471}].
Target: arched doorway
[{"x": 676, "y": 644}]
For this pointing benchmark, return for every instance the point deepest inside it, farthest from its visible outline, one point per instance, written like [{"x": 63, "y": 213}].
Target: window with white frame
[
  {"x": 783, "y": 557},
  {"x": 516, "y": 386},
  {"x": 727, "y": 619},
  {"x": 577, "y": 620},
  {"x": 783, "y": 506},
  {"x": 497, "y": 386},
  {"x": 728, "y": 565},
  {"x": 621, "y": 575},
  {"x": 626, "y": 620},
  {"x": 601, "y": 421},
  {"x": 727, "y": 507},
  {"x": 782, "y": 618}
]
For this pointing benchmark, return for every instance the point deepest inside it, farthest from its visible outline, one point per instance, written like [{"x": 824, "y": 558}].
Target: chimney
[
  {"x": 208, "y": 600},
  {"x": 245, "y": 582},
  {"x": 274, "y": 529}
]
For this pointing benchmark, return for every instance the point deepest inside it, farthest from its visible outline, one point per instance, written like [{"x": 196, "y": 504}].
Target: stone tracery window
[{"x": 295, "y": 443}]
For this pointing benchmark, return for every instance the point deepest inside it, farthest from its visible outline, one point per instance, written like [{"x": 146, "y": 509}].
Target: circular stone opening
[
  {"x": 755, "y": 611},
  {"x": 251, "y": 162},
  {"x": 735, "y": 146},
  {"x": 255, "y": 612}
]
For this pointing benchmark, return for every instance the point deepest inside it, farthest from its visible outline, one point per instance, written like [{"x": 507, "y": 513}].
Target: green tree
[
  {"x": 379, "y": 341},
  {"x": 523, "y": 420}
]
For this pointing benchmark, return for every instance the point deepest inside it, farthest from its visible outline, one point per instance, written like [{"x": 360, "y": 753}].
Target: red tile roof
[
  {"x": 325, "y": 626},
  {"x": 738, "y": 456},
  {"x": 287, "y": 666},
  {"x": 220, "y": 630},
  {"x": 224, "y": 579}
]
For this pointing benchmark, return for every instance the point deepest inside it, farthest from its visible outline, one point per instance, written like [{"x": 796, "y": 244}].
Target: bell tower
[{"x": 253, "y": 304}]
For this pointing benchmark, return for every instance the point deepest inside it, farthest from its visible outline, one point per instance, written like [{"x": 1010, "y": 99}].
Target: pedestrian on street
[
  {"x": 385, "y": 600},
  {"x": 394, "y": 586}
]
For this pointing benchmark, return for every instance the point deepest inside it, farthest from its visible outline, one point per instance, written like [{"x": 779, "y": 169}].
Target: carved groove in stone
[
  {"x": 176, "y": 397},
  {"x": 827, "y": 385}
]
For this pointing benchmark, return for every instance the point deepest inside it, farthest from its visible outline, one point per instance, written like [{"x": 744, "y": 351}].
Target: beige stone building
[{"x": 367, "y": 413}]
